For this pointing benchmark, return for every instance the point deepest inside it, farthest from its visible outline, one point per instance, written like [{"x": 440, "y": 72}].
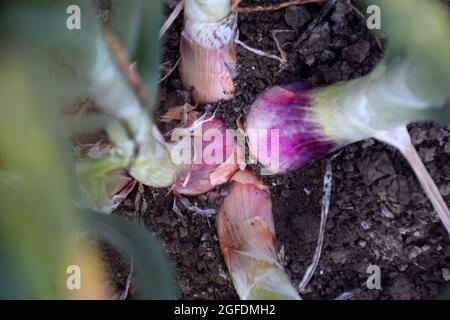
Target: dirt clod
[{"x": 297, "y": 16}]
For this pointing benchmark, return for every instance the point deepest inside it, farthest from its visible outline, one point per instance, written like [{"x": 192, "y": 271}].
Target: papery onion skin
[
  {"x": 209, "y": 71},
  {"x": 208, "y": 58},
  {"x": 288, "y": 109},
  {"x": 247, "y": 239},
  {"x": 198, "y": 175}
]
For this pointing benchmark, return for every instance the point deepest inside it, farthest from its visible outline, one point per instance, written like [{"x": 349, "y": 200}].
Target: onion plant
[
  {"x": 207, "y": 156},
  {"x": 412, "y": 85},
  {"x": 208, "y": 49},
  {"x": 43, "y": 213},
  {"x": 124, "y": 95},
  {"x": 247, "y": 238}
]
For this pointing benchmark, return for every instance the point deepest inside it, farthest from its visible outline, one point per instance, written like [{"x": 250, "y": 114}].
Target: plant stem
[
  {"x": 428, "y": 185},
  {"x": 400, "y": 138},
  {"x": 173, "y": 16},
  {"x": 119, "y": 93},
  {"x": 123, "y": 63},
  {"x": 326, "y": 199},
  {"x": 384, "y": 99}
]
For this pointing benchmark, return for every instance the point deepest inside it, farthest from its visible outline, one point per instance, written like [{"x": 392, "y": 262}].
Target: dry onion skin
[
  {"x": 247, "y": 238},
  {"x": 208, "y": 50}
]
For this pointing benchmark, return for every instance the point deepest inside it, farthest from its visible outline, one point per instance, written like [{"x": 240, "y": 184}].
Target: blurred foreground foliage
[
  {"x": 44, "y": 217},
  {"x": 421, "y": 29}
]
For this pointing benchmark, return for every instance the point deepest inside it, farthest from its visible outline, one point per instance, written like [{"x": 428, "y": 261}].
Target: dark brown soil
[{"x": 379, "y": 214}]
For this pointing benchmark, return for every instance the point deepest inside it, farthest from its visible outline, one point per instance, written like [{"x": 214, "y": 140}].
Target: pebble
[
  {"x": 365, "y": 225},
  {"x": 403, "y": 267},
  {"x": 446, "y": 274},
  {"x": 445, "y": 189},
  {"x": 385, "y": 212}
]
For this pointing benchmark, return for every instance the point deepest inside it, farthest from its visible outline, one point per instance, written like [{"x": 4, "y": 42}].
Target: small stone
[
  {"x": 403, "y": 267},
  {"x": 446, "y": 274},
  {"x": 418, "y": 234},
  {"x": 365, "y": 225},
  {"x": 385, "y": 212},
  {"x": 445, "y": 189}
]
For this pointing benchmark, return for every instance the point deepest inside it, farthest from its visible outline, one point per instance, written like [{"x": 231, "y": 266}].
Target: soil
[{"x": 379, "y": 214}]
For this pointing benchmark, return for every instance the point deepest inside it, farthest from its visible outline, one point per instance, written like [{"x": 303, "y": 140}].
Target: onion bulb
[
  {"x": 205, "y": 156},
  {"x": 290, "y": 125}
]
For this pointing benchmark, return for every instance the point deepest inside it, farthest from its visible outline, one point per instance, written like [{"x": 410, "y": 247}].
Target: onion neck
[
  {"x": 209, "y": 24},
  {"x": 384, "y": 99},
  {"x": 131, "y": 130},
  {"x": 380, "y": 105},
  {"x": 207, "y": 11}
]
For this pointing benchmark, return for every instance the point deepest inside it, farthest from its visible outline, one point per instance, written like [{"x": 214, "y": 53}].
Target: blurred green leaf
[
  {"x": 422, "y": 28},
  {"x": 39, "y": 221},
  {"x": 126, "y": 20}
]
